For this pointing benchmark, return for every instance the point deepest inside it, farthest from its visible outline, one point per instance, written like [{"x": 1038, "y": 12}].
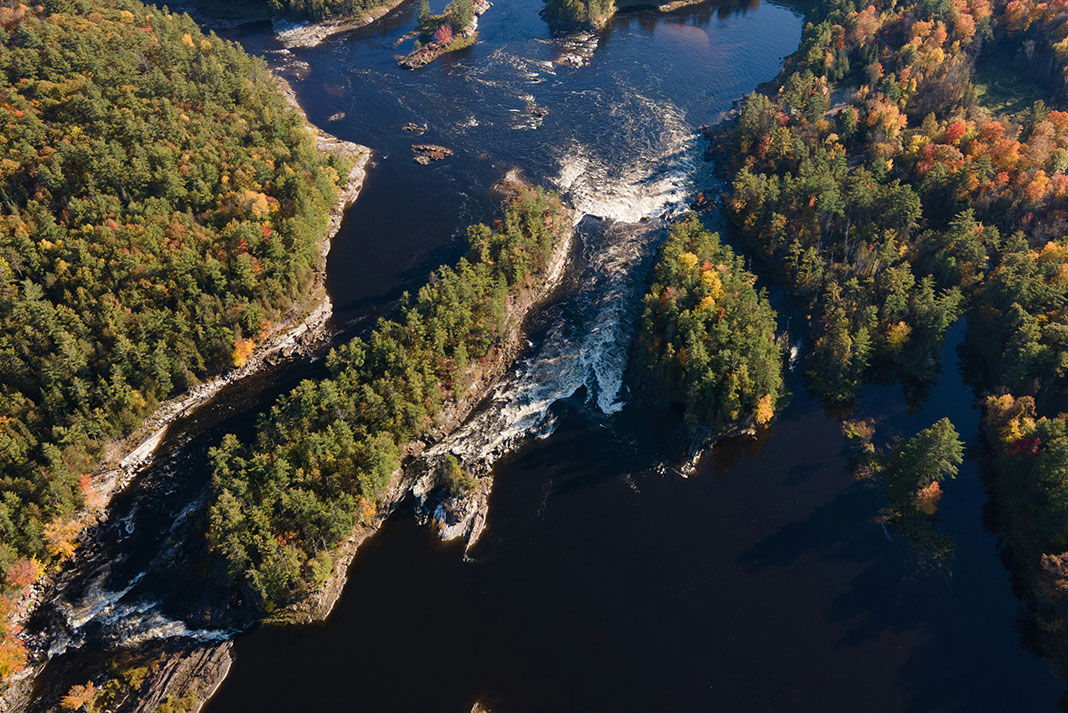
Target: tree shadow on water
[{"x": 825, "y": 532}]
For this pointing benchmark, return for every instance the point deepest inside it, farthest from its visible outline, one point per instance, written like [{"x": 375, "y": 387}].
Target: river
[{"x": 607, "y": 579}]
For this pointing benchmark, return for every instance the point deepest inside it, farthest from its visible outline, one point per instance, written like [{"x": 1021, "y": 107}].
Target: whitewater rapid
[{"x": 622, "y": 203}]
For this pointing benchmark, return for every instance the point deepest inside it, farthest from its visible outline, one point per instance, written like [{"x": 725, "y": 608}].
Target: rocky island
[{"x": 453, "y": 30}]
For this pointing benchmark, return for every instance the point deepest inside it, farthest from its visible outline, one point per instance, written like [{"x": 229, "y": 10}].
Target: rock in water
[{"x": 425, "y": 153}]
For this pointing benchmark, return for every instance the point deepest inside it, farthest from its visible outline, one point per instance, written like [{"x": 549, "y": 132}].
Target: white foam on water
[
  {"x": 134, "y": 624},
  {"x": 629, "y": 193},
  {"x": 97, "y": 601}
]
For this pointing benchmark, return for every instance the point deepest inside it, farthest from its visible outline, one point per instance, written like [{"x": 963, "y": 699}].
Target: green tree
[
  {"x": 707, "y": 335},
  {"x": 931, "y": 456},
  {"x": 461, "y": 14}
]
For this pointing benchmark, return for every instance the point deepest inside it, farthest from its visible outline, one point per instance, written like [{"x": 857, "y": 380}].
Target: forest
[
  {"x": 591, "y": 13},
  {"x": 318, "y": 10},
  {"x": 895, "y": 189},
  {"x": 707, "y": 336},
  {"x": 324, "y": 454},
  {"x": 162, "y": 206}
]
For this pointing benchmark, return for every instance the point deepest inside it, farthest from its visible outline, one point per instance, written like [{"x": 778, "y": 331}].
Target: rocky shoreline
[
  {"x": 301, "y": 331},
  {"x": 192, "y": 671},
  {"x": 466, "y": 37},
  {"x": 312, "y": 34},
  {"x": 414, "y": 477}
]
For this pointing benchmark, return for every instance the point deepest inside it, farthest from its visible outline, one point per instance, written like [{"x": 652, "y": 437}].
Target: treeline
[
  {"x": 318, "y": 10},
  {"x": 591, "y": 13},
  {"x": 160, "y": 206},
  {"x": 323, "y": 455},
  {"x": 708, "y": 337},
  {"x": 893, "y": 198}
]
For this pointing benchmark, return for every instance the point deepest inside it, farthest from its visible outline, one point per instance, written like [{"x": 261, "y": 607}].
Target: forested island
[
  {"x": 707, "y": 340},
  {"x": 452, "y": 30},
  {"x": 325, "y": 455},
  {"x": 595, "y": 14}
]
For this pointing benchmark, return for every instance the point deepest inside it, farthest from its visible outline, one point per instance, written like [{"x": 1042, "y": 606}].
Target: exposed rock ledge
[
  {"x": 300, "y": 331},
  {"x": 198, "y": 673},
  {"x": 425, "y": 153},
  {"x": 312, "y": 34}
]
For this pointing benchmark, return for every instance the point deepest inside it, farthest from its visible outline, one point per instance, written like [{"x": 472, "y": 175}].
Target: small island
[
  {"x": 454, "y": 29},
  {"x": 707, "y": 344}
]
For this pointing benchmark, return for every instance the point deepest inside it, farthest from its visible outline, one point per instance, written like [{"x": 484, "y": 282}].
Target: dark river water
[{"x": 607, "y": 580}]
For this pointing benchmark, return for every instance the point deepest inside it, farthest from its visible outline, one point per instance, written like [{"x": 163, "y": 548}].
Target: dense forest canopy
[
  {"x": 323, "y": 455},
  {"x": 160, "y": 206},
  {"x": 322, "y": 9},
  {"x": 897, "y": 175},
  {"x": 707, "y": 335}
]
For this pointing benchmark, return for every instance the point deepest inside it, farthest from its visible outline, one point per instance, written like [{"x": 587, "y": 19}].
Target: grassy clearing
[{"x": 1001, "y": 89}]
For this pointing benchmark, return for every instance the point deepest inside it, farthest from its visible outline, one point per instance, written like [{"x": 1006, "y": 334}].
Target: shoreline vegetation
[
  {"x": 300, "y": 327},
  {"x": 479, "y": 376},
  {"x": 453, "y": 30},
  {"x": 897, "y": 179},
  {"x": 189, "y": 676},
  {"x": 596, "y": 14},
  {"x": 328, "y": 455},
  {"x": 707, "y": 343}
]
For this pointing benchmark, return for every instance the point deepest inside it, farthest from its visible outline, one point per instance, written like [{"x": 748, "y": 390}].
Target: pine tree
[{"x": 461, "y": 13}]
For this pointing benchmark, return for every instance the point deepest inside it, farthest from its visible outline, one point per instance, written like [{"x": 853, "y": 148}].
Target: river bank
[
  {"x": 311, "y": 34},
  {"x": 301, "y": 331},
  {"x": 420, "y": 477},
  {"x": 192, "y": 671}
]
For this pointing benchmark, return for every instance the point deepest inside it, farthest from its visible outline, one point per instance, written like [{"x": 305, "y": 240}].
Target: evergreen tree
[{"x": 461, "y": 14}]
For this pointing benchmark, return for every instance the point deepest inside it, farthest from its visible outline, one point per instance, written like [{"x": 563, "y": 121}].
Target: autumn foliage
[
  {"x": 894, "y": 194},
  {"x": 708, "y": 336},
  {"x": 162, "y": 203},
  {"x": 443, "y": 35}
]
